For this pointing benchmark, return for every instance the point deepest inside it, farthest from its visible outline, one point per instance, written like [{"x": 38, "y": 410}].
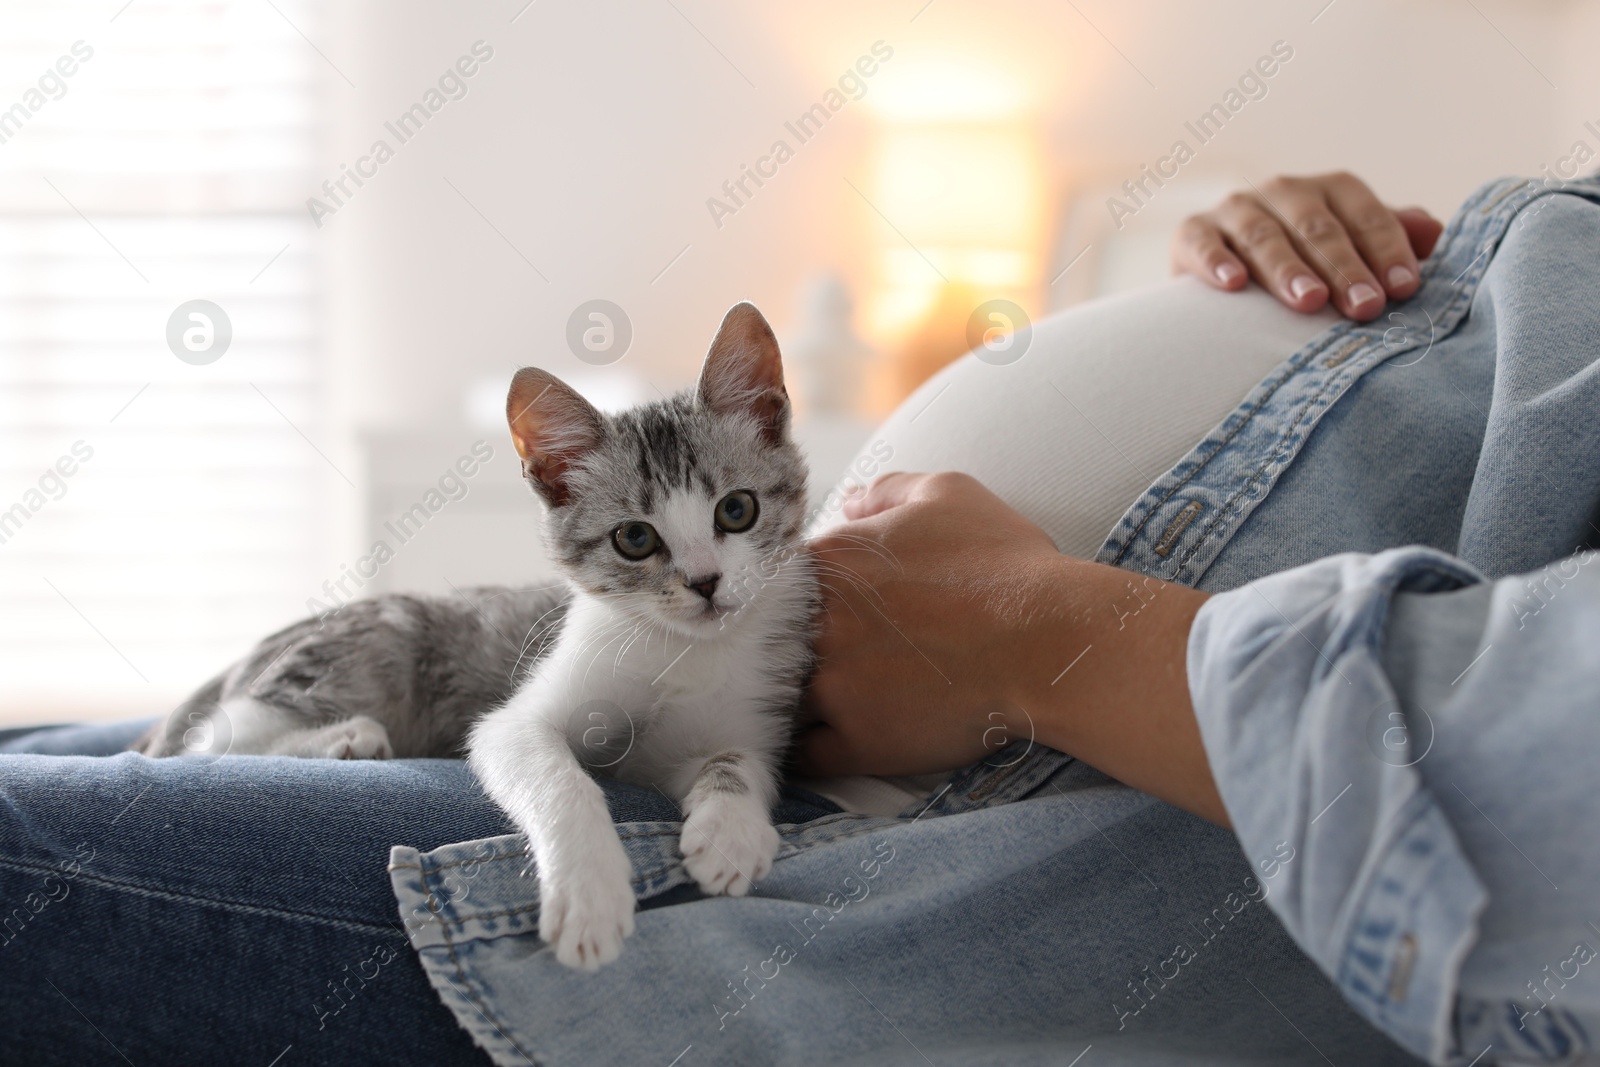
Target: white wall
[{"x": 594, "y": 136}]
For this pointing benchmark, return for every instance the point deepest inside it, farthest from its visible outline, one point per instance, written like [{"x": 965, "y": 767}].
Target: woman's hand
[
  {"x": 1301, "y": 238},
  {"x": 925, "y": 595},
  {"x": 952, "y": 627}
]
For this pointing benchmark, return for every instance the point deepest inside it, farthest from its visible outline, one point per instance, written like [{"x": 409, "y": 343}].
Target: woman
[
  {"x": 1434, "y": 722},
  {"x": 1390, "y": 736}
]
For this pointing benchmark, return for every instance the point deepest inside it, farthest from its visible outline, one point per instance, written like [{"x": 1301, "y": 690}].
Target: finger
[
  {"x": 1199, "y": 249},
  {"x": 1376, "y": 233},
  {"x": 1422, "y": 230},
  {"x": 1322, "y": 240},
  {"x": 886, "y": 491},
  {"x": 823, "y": 751},
  {"x": 1259, "y": 239}
]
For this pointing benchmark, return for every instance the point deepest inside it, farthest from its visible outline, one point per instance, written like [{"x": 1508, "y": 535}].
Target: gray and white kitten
[{"x": 674, "y": 657}]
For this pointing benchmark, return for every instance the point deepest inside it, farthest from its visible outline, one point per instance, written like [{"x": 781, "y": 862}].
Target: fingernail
[
  {"x": 1400, "y": 277},
  {"x": 1303, "y": 286},
  {"x": 1228, "y": 273},
  {"x": 1362, "y": 293}
]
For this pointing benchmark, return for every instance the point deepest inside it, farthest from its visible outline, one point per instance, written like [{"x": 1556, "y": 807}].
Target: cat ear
[
  {"x": 743, "y": 373},
  {"x": 552, "y": 427}
]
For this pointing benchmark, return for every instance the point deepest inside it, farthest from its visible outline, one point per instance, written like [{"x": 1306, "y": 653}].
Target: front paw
[
  {"x": 728, "y": 843},
  {"x": 586, "y": 908}
]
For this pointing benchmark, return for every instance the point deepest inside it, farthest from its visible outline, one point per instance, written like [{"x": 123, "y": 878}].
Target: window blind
[{"x": 156, "y": 515}]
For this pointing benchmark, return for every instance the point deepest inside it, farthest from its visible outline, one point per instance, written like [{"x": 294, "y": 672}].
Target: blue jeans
[{"x": 177, "y": 911}]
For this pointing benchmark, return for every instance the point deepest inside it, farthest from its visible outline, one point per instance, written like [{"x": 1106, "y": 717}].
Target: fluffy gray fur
[{"x": 425, "y": 668}]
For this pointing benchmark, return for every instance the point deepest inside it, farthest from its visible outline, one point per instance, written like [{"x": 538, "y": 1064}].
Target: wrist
[{"x": 1103, "y": 676}]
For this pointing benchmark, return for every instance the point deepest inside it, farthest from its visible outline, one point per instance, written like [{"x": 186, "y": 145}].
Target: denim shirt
[
  {"x": 1430, "y": 752},
  {"x": 1033, "y": 910}
]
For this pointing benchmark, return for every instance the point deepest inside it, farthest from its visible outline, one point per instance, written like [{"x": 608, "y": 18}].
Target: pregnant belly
[{"x": 1106, "y": 398}]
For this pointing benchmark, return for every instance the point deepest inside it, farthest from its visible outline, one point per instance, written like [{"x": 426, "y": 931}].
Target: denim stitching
[
  {"x": 461, "y": 975},
  {"x": 839, "y": 825},
  {"x": 458, "y": 863},
  {"x": 1271, "y": 458},
  {"x": 1379, "y": 1000},
  {"x": 194, "y": 898},
  {"x": 1485, "y": 209},
  {"x": 664, "y": 872},
  {"x": 478, "y": 916},
  {"x": 1339, "y": 357},
  {"x": 993, "y": 781},
  {"x": 1203, "y": 463}
]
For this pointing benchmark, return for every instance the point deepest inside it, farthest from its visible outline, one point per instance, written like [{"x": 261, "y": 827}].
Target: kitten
[{"x": 673, "y": 659}]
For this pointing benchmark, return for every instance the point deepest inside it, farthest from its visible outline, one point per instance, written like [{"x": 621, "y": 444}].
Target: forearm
[
  {"x": 1100, "y": 670},
  {"x": 953, "y": 627}
]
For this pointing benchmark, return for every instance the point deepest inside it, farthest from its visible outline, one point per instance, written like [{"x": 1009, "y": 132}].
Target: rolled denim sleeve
[{"x": 1426, "y": 741}]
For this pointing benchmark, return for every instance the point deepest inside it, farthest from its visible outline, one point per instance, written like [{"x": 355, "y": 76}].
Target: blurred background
[{"x": 387, "y": 207}]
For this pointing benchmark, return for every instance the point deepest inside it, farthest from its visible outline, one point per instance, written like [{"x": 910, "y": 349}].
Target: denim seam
[
  {"x": 1351, "y": 920},
  {"x": 462, "y": 918},
  {"x": 647, "y": 877},
  {"x": 1377, "y": 999},
  {"x": 1384, "y": 997},
  {"x": 464, "y": 981},
  {"x": 1490, "y": 206},
  {"x": 979, "y": 783},
  {"x": 997, "y": 779},
  {"x": 840, "y": 825},
  {"x": 191, "y": 898},
  {"x": 1200, "y": 465},
  {"x": 510, "y": 855},
  {"x": 1271, "y": 458},
  {"x": 1339, "y": 358},
  {"x": 802, "y": 836},
  {"x": 1329, "y": 384},
  {"x": 458, "y": 863}
]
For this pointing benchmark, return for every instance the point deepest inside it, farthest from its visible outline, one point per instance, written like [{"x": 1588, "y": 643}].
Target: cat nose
[{"x": 704, "y": 586}]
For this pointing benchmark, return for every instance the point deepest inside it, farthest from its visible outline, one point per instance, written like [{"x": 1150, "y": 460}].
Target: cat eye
[
  {"x": 736, "y": 512},
  {"x": 636, "y": 540}
]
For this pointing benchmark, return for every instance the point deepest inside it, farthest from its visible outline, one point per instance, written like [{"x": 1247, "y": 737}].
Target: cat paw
[
  {"x": 727, "y": 844},
  {"x": 358, "y": 738},
  {"x": 586, "y": 913}
]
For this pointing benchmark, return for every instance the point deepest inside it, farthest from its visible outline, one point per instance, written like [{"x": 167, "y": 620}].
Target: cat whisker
[
  {"x": 593, "y": 646},
  {"x": 842, "y": 599},
  {"x": 869, "y": 545},
  {"x": 850, "y": 576},
  {"x": 595, "y": 658},
  {"x": 529, "y": 638},
  {"x": 803, "y": 582},
  {"x": 643, "y": 628},
  {"x": 637, "y": 625},
  {"x": 827, "y": 609}
]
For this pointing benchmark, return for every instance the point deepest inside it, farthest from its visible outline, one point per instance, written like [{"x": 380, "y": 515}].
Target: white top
[{"x": 1106, "y": 398}]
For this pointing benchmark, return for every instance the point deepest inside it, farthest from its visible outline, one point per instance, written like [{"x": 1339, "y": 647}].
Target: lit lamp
[{"x": 958, "y": 170}]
